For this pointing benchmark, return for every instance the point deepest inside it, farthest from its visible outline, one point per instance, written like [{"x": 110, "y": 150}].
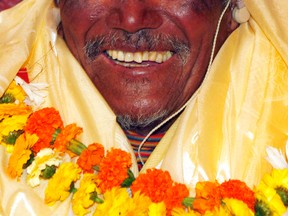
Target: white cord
[
  {"x": 216, "y": 35},
  {"x": 184, "y": 106}
]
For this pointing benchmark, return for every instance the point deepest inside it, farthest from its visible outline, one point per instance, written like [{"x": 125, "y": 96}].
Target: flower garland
[{"x": 41, "y": 146}]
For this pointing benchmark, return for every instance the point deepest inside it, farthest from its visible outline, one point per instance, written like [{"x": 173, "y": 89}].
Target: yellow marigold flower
[
  {"x": 218, "y": 211},
  {"x": 277, "y": 178},
  {"x": 14, "y": 123},
  {"x": 21, "y": 154},
  {"x": 46, "y": 157},
  {"x": 157, "y": 209},
  {"x": 17, "y": 91},
  {"x": 236, "y": 207},
  {"x": 184, "y": 212},
  {"x": 137, "y": 205},
  {"x": 270, "y": 197},
  {"x": 230, "y": 207},
  {"x": 81, "y": 199},
  {"x": 59, "y": 185},
  {"x": 116, "y": 202},
  {"x": 141, "y": 204},
  {"x": 123, "y": 204}
]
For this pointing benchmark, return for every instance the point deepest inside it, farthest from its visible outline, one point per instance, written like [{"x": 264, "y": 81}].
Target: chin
[
  {"x": 141, "y": 119},
  {"x": 140, "y": 124}
]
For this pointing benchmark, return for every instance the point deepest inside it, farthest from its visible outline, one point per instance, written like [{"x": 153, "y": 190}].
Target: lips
[
  {"x": 121, "y": 57},
  {"x": 141, "y": 48}
]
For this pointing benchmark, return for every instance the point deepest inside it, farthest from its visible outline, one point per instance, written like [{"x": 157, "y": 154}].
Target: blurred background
[{"x": 5, "y": 4}]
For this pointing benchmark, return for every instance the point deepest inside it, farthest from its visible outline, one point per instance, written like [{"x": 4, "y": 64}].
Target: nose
[{"x": 134, "y": 15}]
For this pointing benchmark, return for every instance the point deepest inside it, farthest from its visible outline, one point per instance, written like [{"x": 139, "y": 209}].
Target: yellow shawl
[
  {"x": 241, "y": 107},
  {"x": 239, "y": 110}
]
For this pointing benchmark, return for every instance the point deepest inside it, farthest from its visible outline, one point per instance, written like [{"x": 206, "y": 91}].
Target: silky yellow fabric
[
  {"x": 28, "y": 38},
  {"x": 240, "y": 109}
]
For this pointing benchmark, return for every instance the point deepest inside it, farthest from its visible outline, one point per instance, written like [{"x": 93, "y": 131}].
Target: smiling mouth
[{"x": 138, "y": 59}]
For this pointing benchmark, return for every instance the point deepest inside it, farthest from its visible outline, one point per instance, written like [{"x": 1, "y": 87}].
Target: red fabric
[
  {"x": 23, "y": 74},
  {"x": 5, "y": 4}
]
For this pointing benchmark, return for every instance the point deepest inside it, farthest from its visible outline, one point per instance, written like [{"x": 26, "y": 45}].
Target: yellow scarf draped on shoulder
[
  {"x": 239, "y": 110},
  {"x": 28, "y": 38}
]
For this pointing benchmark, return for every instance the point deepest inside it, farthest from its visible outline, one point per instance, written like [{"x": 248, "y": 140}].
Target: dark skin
[
  {"x": 151, "y": 90},
  {"x": 6, "y": 4}
]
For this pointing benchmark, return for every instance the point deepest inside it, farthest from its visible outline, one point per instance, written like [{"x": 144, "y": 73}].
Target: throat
[{"x": 135, "y": 140}]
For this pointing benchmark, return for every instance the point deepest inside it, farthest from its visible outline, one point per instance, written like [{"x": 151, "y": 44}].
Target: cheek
[
  {"x": 77, "y": 18},
  {"x": 194, "y": 18}
]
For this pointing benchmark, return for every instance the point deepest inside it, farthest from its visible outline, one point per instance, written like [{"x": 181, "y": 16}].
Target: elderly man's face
[{"x": 146, "y": 57}]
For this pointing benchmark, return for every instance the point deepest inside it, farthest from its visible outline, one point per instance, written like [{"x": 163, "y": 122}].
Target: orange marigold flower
[
  {"x": 90, "y": 157},
  {"x": 207, "y": 196},
  {"x": 154, "y": 184},
  {"x": 43, "y": 123},
  {"x": 175, "y": 195},
  {"x": 113, "y": 169},
  {"x": 68, "y": 133},
  {"x": 238, "y": 190},
  {"x": 159, "y": 186}
]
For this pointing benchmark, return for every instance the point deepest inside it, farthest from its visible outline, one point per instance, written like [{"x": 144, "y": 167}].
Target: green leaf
[
  {"x": 55, "y": 134},
  {"x": 96, "y": 168},
  {"x": 12, "y": 137},
  {"x": 29, "y": 162},
  {"x": 7, "y": 98},
  {"x": 76, "y": 146},
  {"x": 188, "y": 201},
  {"x": 283, "y": 193},
  {"x": 48, "y": 172},
  {"x": 94, "y": 197},
  {"x": 262, "y": 209},
  {"x": 128, "y": 181},
  {"x": 72, "y": 188}
]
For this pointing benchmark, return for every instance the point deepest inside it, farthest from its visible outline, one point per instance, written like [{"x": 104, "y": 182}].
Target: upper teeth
[{"x": 139, "y": 57}]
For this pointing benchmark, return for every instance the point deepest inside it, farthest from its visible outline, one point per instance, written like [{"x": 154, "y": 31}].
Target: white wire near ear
[
  {"x": 185, "y": 105},
  {"x": 240, "y": 13}
]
